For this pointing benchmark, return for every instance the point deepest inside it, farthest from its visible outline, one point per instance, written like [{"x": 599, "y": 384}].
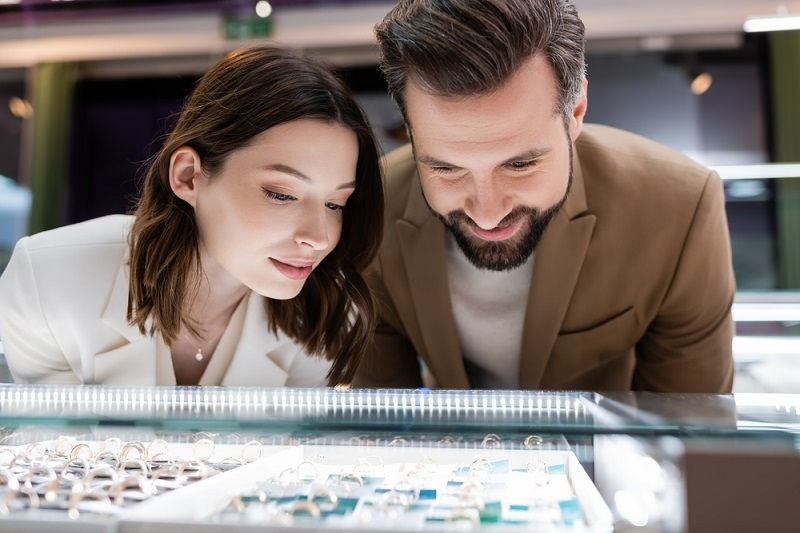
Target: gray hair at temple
[{"x": 471, "y": 47}]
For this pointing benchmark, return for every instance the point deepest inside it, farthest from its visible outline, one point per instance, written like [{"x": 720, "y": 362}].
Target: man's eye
[
  {"x": 442, "y": 170},
  {"x": 521, "y": 165}
]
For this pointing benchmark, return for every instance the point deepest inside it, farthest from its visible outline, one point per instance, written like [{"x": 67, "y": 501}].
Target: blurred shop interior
[{"x": 89, "y": 87}]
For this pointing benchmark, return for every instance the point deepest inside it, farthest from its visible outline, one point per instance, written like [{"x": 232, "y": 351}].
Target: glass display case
[{"x": 152, "y": 459}]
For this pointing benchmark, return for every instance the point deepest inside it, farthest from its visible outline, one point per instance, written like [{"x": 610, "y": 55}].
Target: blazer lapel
[
  {"x": 134, "y": 362},
  {"x": 422, "y": 241},
  {"x": 252, "y": 364},
  {"x": 558, "y": 262}
]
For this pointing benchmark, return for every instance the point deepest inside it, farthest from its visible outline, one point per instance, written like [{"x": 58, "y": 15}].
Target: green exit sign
[{"x": 246, "y": 27}]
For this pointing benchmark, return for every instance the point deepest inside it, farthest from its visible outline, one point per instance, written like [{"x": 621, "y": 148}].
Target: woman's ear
[{"x": 185, "y": 170}]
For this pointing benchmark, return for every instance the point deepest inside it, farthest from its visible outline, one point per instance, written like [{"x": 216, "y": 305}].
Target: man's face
[{"x": 495, "y": 168}]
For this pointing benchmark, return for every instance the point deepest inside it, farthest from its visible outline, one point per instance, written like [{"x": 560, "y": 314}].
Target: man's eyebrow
[
  {"x": 533, "y": 153},
  {"x": 293, "y": 172},
  {"x": 433, "y": 162}
]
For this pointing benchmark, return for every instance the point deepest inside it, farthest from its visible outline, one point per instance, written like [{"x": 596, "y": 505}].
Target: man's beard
[{"x": 512, "y": 252}]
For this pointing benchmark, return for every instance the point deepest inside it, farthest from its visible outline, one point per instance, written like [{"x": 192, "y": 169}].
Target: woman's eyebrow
[{"x": 293, "y": 172}]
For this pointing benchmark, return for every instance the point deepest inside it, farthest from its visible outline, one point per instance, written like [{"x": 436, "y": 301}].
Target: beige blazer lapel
[
  {"x": 422, "y": 242},
  {"x": 134, "y": 362},
  {"x": 558, "y": 262},
  {"x": 252, "y": 364}
]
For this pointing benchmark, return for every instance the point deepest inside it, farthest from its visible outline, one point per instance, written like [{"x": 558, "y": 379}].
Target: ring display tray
[
  {"x": 401, "y": 485},
  {"x": 70, "y": 484},
  {"x": 315, "y": 488}
]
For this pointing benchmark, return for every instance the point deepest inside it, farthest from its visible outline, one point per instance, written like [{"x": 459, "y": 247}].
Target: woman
[{"x": 242, "y": 263}]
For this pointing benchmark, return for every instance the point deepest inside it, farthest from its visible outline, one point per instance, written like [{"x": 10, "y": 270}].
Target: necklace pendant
[{"x": 199, "y": 355}]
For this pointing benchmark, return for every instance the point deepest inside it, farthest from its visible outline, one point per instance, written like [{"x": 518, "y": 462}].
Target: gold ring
[
  {"x": 75, "y": 452},
  {"x": 76, "y": 499},
  {"x": 305, "y": 506},
  {"x": 10, "y": 479},
  {"x": 106, "y": 445},
  {"x": 348, "y": 478},
  {"x": 136, "y": 445}
]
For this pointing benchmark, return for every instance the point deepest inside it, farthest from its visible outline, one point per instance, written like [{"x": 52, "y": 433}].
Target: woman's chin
[{"x": 280, "y": 293}]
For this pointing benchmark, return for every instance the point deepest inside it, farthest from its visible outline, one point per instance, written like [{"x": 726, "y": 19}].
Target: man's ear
[
  {"x": 185, "y": 170},
  {"x": 576, "y": 121}
]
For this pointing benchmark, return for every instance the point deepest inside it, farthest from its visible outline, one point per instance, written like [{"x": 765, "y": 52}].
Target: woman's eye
[
  {"x": 334, "y": 207},
  {"x": 278, "y": 197}
]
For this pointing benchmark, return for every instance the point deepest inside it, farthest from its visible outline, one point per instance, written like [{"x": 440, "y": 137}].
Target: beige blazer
[
  {"x": 63, "y": 301},
  {"x": 632, "y": 283}
]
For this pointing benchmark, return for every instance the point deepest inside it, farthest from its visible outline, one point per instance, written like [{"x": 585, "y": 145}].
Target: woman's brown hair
[{"x": 248, "y": 92}]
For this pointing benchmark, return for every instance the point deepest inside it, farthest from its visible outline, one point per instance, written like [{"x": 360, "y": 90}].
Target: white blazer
[{"x": 63, "y": 305}]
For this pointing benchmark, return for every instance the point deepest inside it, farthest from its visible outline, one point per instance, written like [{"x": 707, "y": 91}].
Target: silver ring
[
  {"x": 536, "y": 466},
  {"x": 306, "y": 470},
  {"x": 63, "y": 446},
  {"x": 407, "y": 485},
  {"x": 392, "y": 500},
  {"x": 480, "y": 467},
  {"x": 198, "y": 447},
  {"x": 164, "y": 447},
  {"x": 465, "y": 514},
  {"x": 532, "y": 441},
  {"x": 493, "y": 439},
  {"x": 255, "y": 445}
]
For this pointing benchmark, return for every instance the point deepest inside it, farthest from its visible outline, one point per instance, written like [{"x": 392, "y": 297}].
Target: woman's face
[{"x": 274, "y": 210}]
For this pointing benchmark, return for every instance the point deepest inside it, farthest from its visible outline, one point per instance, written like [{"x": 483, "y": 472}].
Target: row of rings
[{"x": 65, "y": 447}]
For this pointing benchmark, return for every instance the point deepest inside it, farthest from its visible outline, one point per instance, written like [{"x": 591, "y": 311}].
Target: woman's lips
[
  {"x": 292, "y": 271},
  {"x": 496, "y": 234}
]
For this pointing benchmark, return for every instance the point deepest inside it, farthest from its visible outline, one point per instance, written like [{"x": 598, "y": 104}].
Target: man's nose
[{"x": 487, "y": 203}]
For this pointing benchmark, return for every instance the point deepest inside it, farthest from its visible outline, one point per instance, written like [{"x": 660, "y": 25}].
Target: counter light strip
[
  {"x": 758, "y": 172},
  {"x": 282, "y": 404}
]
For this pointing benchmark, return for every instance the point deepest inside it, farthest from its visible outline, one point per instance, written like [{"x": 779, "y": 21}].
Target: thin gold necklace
[{"x": 199, "y": 355}]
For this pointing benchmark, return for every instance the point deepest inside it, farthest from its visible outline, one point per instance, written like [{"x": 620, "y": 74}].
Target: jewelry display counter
[{"x": 153, "y": 459}]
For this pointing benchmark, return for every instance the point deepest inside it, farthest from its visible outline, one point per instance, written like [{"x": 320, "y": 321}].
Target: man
[{"x": 524, "y": 249}]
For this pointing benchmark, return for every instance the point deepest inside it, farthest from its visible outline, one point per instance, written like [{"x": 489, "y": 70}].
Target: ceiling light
[
  {"x": 701, "y": 83},
  {"x": 263, "y": 9},
  {"x": 772, "y": 23},
  {"x": 20, "y": 108}
]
